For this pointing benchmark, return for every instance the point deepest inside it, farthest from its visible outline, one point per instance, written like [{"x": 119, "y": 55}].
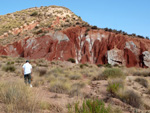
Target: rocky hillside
[
  {"x": 55, "y": 33},
  {"x": 20, "y": 23}
]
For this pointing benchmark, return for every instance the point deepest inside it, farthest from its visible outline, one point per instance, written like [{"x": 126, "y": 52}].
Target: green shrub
[
  {"x": 83, "y": 65},
  {"x": 94, "y": 27},
  {"x": 52, "y": 62},
  {"x": 114, "y": 85},
  {"x": 39, "y": 31},
  {"x": 34, "y": 14},
  {"x": 113, "y": 73},
  {"x": 108, "y": 65},
  {"x": 90, "y": 106},
  {"x": 3, "y": 56},
  {"x": 99, "y": 65},
  {"x": 9, "y": 63},
  {"x": 71, "y": 60}
]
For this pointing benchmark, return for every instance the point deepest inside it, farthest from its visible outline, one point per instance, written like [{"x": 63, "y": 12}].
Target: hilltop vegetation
[{"x": 44, "y": 15}]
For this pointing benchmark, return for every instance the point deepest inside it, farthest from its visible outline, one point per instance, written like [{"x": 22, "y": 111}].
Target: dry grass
[
  {"x": 38, "y": 82},
  {"x": 59, "y": 86},
  {"x": 9, "y": 68},
  {"x": 74, "y": 77},
  {"x": 75, "y": 89},
  {"x": 112, "y": 73},
  {"x": 18, "y": 98},
  {"x": 45, "y": 105},
  {"x": 131, "y": 98},
  {"x": 142, "y": 73},
  {"x": 142, "y": 81}
]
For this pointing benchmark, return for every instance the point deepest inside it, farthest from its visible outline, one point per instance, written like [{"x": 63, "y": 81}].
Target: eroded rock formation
[{"x": 94, "y": 46}]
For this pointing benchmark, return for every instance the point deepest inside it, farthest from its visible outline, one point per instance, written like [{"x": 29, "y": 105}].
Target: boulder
[
  {"x": 146, "y": 58},
  {"x": 115, "y": 57}
]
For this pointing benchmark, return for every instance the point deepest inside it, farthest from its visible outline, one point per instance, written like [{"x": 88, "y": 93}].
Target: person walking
[{"x": 27, "y": 70}]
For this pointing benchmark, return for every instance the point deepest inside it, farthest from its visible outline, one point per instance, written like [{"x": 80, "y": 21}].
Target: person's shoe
[{"x": 30, "y": 85}]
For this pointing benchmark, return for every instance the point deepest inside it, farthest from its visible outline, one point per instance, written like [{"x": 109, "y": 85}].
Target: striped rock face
[{"x": 93, "y": 46}]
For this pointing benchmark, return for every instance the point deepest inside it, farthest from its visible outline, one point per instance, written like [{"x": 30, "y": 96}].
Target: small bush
[
  {"x": 144, "y": 73},
  {"x": 113, "y": 73},
  {"x": 38, "y": 82},
  {"x": 108, "y": 65},
  {"x": 90, "y": 106},
  {"x": 39, "y": 31},
  {"x": 3, "y": 56},
  {"x": 99, "y": 65},
  {"x": 94, "y": 27},
  {"x": 59, "y": 87},
  {"x": 131, "y": 98},
  {"x": 142, "y": 81},
  {"x": 148, "y": 91},
  {"x": 83, "y": 65},
  {"x": 114, "y": 85},
  {"x": 74, "y": 77},
  {"x": 42, "y": 72},
  {"x": 34, "y": 14},
  {"x": 71, "y": 60},
  {"x": 10, "y": 68},
  {"x": 45, "y": 105},
  {"x": 52, "y": 62},
  {"x": 19, "y": 96},
  {"x": 75, "y": 89},
  {"x": 56, "y": 72},
  {"x": 9, "y": 63}
]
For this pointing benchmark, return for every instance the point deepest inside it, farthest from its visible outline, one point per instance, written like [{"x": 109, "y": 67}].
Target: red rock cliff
[{"x": 94, "y": 46}]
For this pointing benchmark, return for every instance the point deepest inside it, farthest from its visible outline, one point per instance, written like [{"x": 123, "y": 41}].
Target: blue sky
[{"x": 132, "y": 16}]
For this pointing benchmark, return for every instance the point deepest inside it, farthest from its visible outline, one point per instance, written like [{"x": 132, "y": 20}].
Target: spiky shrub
[
  {"x": 90, "y": 106},
  {"x": 17, "y": 97},
  {"x": 114, "y": 85},
  {"x": 113, "y": 73}
]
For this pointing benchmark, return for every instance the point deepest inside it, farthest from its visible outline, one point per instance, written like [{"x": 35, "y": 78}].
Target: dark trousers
[{"x": 27, "y": 78}]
